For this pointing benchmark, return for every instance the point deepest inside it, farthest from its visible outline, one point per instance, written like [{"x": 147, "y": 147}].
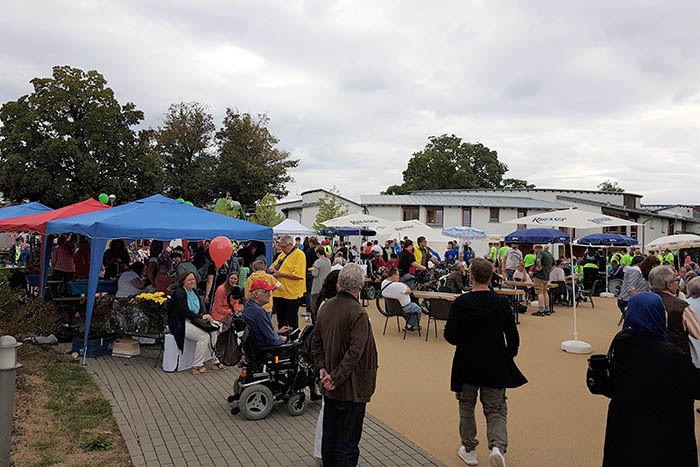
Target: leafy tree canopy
[
  {"x": 331, "y": 207},
  {"x": 609, "y": 185},
  {"x": 249, "y": 164},
  {"x": 447, "y": 162},
  {"x": 70, "y": 139},
  {"x": 184, "y": 144},
  {"x": 265, "y": 212}
]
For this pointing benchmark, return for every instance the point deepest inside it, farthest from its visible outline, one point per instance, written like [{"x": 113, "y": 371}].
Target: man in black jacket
[{"x": 483, "y": 362}]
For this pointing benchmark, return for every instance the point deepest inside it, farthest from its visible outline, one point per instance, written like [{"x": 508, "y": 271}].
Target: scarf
[{"x": 646, "y": 315}]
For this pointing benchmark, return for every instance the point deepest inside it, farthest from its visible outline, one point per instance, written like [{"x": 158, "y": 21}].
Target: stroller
[{"x": 271, "y": 374}]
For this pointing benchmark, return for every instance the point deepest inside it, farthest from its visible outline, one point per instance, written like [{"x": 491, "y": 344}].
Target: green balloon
[
  {"x": 180, "y": 200},
  {"x": 104, "y": 198},
  {"x": 189, "y": 202}
]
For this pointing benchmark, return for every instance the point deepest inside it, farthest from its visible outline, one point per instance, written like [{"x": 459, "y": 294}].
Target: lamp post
[{"x": 8, "y": 370}]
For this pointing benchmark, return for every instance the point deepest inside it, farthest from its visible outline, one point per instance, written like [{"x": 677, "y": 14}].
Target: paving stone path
[{"x": 180, "y": 419}]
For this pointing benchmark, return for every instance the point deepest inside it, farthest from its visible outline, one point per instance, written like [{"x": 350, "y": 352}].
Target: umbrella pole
[
  {"x": 605, "y": 293},
  {"x": 575, "y": 346}
]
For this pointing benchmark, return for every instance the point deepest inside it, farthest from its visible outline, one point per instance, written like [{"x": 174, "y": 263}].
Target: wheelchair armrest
[{"x": 282, "y": 347}]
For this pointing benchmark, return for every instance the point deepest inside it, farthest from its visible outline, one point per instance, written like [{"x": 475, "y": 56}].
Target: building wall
[{"x": 612, "y": 198}]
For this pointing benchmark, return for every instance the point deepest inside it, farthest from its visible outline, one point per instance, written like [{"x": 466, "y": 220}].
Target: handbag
[
  {"x": 599, "y": 374},
  {"x": 204, "y": 325}
]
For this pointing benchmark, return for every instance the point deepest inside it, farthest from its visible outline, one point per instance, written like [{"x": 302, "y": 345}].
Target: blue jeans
[
  {"x": 412, "y": 313},
  {"x": 408, "y": 279},
  {"x": 342, "y": 430}
]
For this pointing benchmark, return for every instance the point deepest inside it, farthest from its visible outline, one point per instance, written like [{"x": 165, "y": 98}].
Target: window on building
[
  {"x": 522, "y": 213},
  {"x": 467, "y": 217},
  {"x": 671, "y": 227},
  {"x": 494, "y": 215},
  {"x": 622, "y": 230},
  {"x": 410, "y": 213},
  {"x": 633, "y": 232},
  {"x": 433, "y": 216}
]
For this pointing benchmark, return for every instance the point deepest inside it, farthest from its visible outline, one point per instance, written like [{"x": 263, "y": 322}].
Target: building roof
[
  {"x": 643, "y": 212},
  {"x": 525, "y": 190},
  {"x": 485, "y": 201},
  {"x": 334, "y": 194}
]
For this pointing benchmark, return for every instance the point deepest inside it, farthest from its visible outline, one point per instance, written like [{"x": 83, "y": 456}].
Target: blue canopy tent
[
  {"x": 538, "y": 236},
  {"x": 607, "y": 239},
  {"x": 156, "y": 217},
  {"x": 25, "y": 209},
  {"x": 347, "y": 231}
]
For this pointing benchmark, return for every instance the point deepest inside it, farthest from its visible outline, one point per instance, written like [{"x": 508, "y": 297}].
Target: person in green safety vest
[
  {"x": 530, "y": 259},
  {"x": 578, "y": 270},
  {"x": 493, "y": 252},
  {"x": 626, "y": 260},
  {"x": 501, "y": 254},
  {"x": 669, "y": 257}
]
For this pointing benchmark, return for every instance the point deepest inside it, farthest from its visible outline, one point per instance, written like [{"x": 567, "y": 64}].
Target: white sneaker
[
  {"x": 496, "y": 458},
  {"x": 467, "y": 456}
]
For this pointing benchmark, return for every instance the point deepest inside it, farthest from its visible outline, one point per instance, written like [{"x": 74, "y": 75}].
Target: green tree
[
  {"x": 612, "y": 186},
  {"x": 71, "y": 139},
  {"x": 265, "y": 212},
  {"x": 447, "y": 162},
  {"x": 185, "y": 146},
  {"x": 249, "y": 164},
  {"x": 331, "y": 207}
]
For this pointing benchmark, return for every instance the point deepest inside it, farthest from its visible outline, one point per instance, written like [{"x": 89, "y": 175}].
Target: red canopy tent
[{"x": 37, "y": 223}]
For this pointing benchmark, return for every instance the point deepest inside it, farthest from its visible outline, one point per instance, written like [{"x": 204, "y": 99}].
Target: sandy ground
[{"x": 552, "y": 421}]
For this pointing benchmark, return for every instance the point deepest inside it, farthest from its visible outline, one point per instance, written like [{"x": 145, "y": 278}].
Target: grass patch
[{"x": 61, "y": 417}]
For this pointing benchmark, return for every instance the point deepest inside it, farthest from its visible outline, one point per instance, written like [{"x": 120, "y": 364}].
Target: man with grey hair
[
  {"x": 682, "y": 322},
  {"x": 345, "y": 355}
]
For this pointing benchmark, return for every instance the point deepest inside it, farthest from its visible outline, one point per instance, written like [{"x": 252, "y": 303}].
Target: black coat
[
  {"x": 477, "y": 324},
  {"x": 179, "y": 311},
  {"x": 651, "y": 421}
]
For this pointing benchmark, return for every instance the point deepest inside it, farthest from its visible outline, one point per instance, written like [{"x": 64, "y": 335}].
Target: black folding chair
[{"x": 439, "y": 311}]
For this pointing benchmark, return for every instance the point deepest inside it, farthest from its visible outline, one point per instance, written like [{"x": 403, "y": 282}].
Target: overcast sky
[{"x": 568, "y": 93}]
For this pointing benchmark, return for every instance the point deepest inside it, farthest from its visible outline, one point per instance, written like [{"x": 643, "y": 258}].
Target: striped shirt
[
  {"x": 62, "y": 259},
  {"x": 633, "y": 280}
]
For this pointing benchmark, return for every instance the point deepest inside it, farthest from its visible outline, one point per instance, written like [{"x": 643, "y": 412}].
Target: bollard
[{"x": 8, "y": 370}]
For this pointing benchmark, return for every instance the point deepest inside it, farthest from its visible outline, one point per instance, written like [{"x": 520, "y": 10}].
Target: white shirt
[
  {"x": 124, "y": 287},
  {"x": 557, "y": 275},
  {"x": 396, "y": 290},
  {"x": 521, "y": 276},
  {"x": 513, "y": 257},
  {"x": 376, "y": 248}
]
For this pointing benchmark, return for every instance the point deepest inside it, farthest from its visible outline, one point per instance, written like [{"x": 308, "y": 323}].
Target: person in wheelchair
[{"x": 258, "y": 320}]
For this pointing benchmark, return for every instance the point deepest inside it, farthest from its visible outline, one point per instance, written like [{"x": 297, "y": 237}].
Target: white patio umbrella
[
  {"x": 413, "y": 229},
  {"x": 674, "y": 242},
  {"x": 358, "y": 220},
  {"x": 576, "y": 219}
]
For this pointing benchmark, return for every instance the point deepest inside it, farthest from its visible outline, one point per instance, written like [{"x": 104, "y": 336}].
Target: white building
[
  {"x": 304, "y": 210},
  {"x": 488, "y": 209}
]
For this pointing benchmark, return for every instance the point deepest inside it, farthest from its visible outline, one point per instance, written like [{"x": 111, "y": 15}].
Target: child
[{"x": 163, "y": 279}]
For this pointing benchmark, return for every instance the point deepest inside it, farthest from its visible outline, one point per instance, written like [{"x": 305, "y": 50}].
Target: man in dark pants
[
  {"x": 290, "y": 270},
  {"x": 311, "y": 258},
  {"x": 346, "y": 357},
  {"x": 481, "y": 325}
]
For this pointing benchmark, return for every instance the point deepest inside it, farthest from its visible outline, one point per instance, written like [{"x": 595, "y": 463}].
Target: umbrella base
[
  {"x": 607, "y": 295},
  {"x": 576, "y": 347}
]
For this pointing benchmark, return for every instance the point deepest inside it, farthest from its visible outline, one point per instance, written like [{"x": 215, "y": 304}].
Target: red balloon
[{"x": 220, "y": 250}]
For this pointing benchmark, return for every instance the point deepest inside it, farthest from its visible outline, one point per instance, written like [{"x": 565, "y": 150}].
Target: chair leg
[
  {"x": 427, "y": 333},
  {"x": 436, "y": 326},
  {"x": 592, "y": 304},
  {"x": 398, "y": 325},
  {"x": 385, "y": 322}
]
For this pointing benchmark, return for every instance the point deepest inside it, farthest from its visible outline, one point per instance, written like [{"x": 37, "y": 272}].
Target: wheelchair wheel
[
  {"x": 296, "y": 406},
  {"x": 256, "y": 402},
  {"x": 371, "y": 293}
]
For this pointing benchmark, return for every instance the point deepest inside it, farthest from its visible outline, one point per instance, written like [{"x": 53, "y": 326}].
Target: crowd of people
[{"x": 657, "y": 299}]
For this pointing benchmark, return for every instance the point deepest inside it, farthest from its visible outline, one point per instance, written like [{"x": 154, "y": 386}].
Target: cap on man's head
[{"x": 261, "y": 285}]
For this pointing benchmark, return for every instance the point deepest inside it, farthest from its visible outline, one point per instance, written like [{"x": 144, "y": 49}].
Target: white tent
[
  {"x": 292, "y": 227},
  {"x": 358, "y": 221},
  {"x": 673, "y": 242},
  {"x": 576, "y": 219}
]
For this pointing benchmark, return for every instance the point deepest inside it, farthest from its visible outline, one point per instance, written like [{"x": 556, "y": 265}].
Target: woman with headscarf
[{"x": 654, "y": 385}]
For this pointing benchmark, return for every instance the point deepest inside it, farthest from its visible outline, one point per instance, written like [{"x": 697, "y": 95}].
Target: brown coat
[{"x": 343, "y": 344}]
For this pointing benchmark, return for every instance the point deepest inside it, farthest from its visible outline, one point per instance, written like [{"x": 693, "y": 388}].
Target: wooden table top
[
  {"x": 426, "y": 294},
  {"x": 527, "y": 284}
]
